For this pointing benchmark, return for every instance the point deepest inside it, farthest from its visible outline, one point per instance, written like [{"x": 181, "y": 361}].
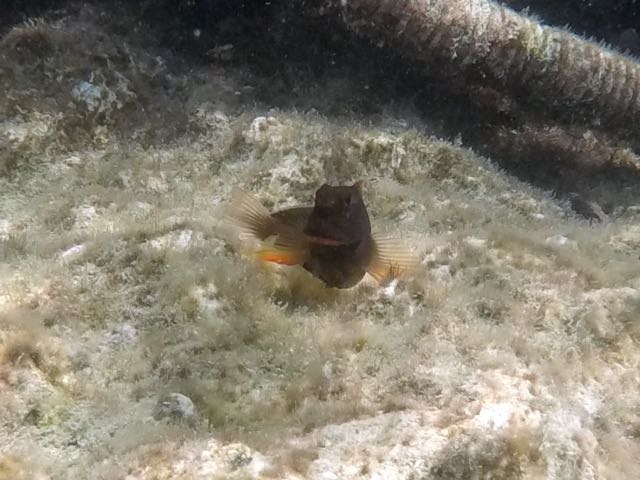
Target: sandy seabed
[{"x": 137, "y": 340}]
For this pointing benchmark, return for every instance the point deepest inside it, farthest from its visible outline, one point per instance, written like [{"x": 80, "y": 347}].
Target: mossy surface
[{"x": 119, "y": 284}]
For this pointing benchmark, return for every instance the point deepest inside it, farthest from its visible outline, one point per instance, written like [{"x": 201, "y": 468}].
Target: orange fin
[
  {"x": 249, "y": 215},
  {"x": 281, "y": 257},
  {"x": 290, "y": 248},
  {"x": 391, "y": 259}
]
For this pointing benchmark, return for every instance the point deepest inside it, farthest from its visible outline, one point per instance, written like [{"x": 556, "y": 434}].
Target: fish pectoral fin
[
  {"x": 289, "y": 248},
  {"x": 391, "y": 259},
  {"x": 282, "y": 254},
  {"x": 281, "y": 257},
  {"x": 249, "y": 215}
]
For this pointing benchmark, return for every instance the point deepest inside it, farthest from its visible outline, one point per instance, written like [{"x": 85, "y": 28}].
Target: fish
[{"x": 332, "y": 239}]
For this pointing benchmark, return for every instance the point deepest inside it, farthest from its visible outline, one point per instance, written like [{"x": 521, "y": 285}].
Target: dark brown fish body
[
  {"x": 296, "y": 217},
  {"x": 341, "y": 266},
  {"x": 339, "y": 214},
  {"x": 332, "y": 240}
]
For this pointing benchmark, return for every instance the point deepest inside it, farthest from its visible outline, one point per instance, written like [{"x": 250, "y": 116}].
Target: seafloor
[{"x": 513, "y": 354}]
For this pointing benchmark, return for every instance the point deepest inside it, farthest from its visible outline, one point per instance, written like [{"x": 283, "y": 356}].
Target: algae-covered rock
[
  {"x": 140, "y": 340},
  {"x": 174, "y": 406}
]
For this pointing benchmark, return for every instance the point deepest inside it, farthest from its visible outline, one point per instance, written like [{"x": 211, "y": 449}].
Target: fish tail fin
[
  {"x": 391, "y": 259},
  {"x": 249, "y": 215}
]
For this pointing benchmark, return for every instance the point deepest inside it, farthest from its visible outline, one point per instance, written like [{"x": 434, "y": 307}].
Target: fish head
[{"x": 339, "y": 215}]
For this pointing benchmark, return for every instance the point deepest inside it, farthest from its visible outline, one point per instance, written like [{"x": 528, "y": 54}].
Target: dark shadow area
[
  {"x": 312, "y": 63},
  {"x": 17, "y": 11},
  {"x": 293, "y": 60}
]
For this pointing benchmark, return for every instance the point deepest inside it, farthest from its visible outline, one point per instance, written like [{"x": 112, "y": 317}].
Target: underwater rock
[
  {"x": 560, "y": 241},
  {"x": 555, "y": 67},
  {"x": 207, "y": 298},
  {"x": 85, "y": 215},
  {"x": 125, "y": 334},
  {"x": 237, "y": 456},
  {"x": 72, "y": 253},
  {"x": 202, "y": 460},
  {"x": 475, "y": 243},
  {"x": 180, "y": 240},
  {"x": 441, "y": 273},
  {"x": 174, "y": 406},
  {"x": 34, "y": 39},
  {"x": 160, "y": 301},
  {"x": 263, "y": 129},
  {"x": 94, "y": 97}
]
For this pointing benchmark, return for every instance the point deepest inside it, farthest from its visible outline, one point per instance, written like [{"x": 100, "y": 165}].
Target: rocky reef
[{"x": 137, "y": 341}]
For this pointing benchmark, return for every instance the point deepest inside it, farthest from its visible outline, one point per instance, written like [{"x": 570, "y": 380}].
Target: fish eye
[{"x": 352, "y": 199}]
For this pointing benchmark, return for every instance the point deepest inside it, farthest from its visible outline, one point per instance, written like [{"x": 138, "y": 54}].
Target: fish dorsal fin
[
  {"x": 249, "y": 215},
  {"x": 391, "y": 259}
]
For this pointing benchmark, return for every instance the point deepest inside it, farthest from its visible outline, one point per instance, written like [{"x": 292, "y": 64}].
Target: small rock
[
  {"x": 158, "y": 184},
  {"x": 124, "y": 334},
  {"x": 237, "y": 456},
  {"x": 84, "y": 215},
  {"x": 289, "y": 170},
  {"x": 560, "y": 241},
  {"x": 258, "y": 126},
  {"x": 180, "y": 240},
  {"x": 95, "y": 98},
  {"x": 475, "y": 243},
  {"x": 140, "y": 209},
  {"x": 174, "y": 406},
  {"x": 259, "y": 129},
  {"x": 5, "y": 229},
  {"x": 72, "y": 253},
  {"x": 207, "y": 298},
  {"x": 87, "y": 93},
  {"x": 441, "y": 273},
  {"x": 220, "y": 117},
  {"x": 73, "y": 160},
  {"x": 389, "y": 290}
]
